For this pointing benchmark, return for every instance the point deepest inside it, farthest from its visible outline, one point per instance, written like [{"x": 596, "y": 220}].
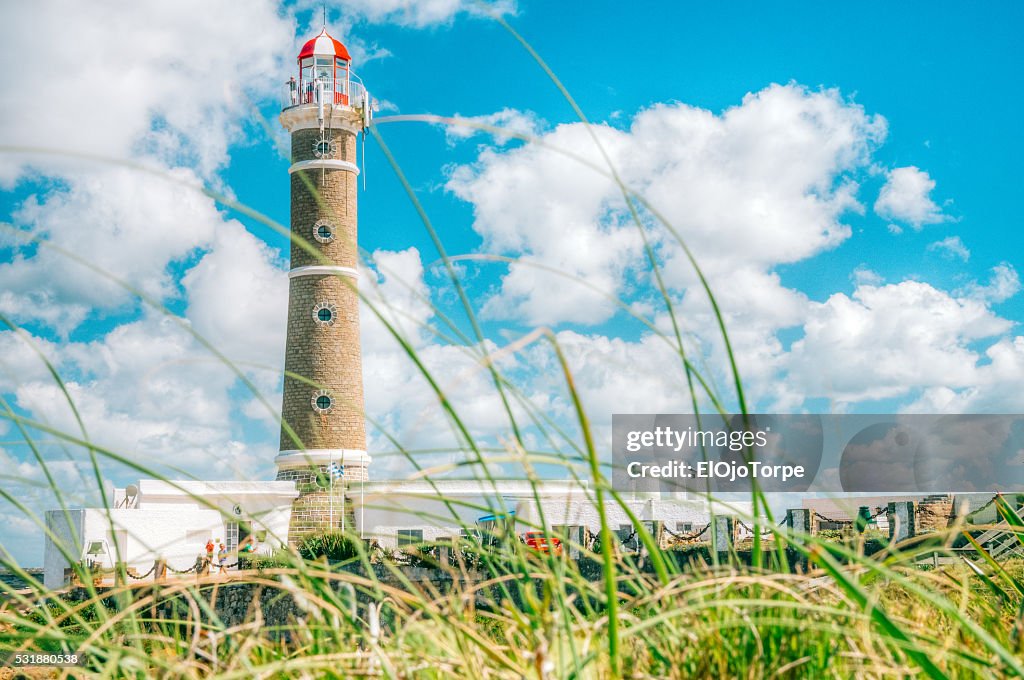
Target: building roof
[
  {"x": 151, "y": 489},
  {"x": 844, "y": 508},
  {"x": 513, "y": 488},
  {"x": 324, "y": 45}
]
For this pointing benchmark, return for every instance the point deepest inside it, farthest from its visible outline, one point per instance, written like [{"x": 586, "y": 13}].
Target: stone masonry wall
[
  {"x": 934, "y": 513},
  {"x": 312, "y": 511},
  {"x": 326, "y": 355},
  {"x": 322, "y": 356},
  {"x": 328, "y": 358},
  {"x": 319, "y": 194}
]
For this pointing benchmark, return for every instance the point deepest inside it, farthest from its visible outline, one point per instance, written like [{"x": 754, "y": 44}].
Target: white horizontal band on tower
[
  {"x": 305, "y": 117},
  {"x": 323, "y": 270},
  {"x": 299, "y": 458},
  {"x": 327, "y": 163}
]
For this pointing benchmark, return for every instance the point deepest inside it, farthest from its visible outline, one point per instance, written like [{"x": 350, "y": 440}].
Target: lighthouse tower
[{"x": 323, "y": 436}]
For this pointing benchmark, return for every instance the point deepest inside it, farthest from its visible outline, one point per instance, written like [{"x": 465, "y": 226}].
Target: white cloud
[
  {"x": 545, "y": 207},
  {"x": 397, "y": 290},
  {"x": 121, "y": 68},
  {"x": 1002, "y": 285},
  {"x": 764, "y": 183},
  {"x": 398, "y": 396},
  {"x": 613, "y": 375},
  {"x": 906, "y": 197},
  {"x": 889, "y": 341},
  {"x": 20, "y": 361},
  {"x": 146, "y": 391},
  {"x": 238, "y": 298},
  {"x": 131, "y": 225},
  {"x": 508, "y": 120},
  {"x": 862, "y": 275},
  {"x": 995, "y": 388},
  {"x": 951, "y": 246},
  {"x": 417, "y": 13},
  {"x": 149, "y": 390}
]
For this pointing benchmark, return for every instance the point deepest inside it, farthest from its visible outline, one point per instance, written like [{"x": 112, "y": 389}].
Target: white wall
[
  {"x": 388, "y": 508},
  {"x": 384, "y": 514},
  {"x": 171, "y": 524},
  {"x": 69, "y": 537}
]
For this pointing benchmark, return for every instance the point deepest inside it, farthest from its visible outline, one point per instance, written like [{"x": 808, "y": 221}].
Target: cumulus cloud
[
  {"x": 419, "y": 13},
  {"x": 888, "y": 341},
  {"x": 398, "y": 396},
  {"x": 508, "y": 120},
  {"x": 123, "y": 68},
  {"x": 545, "y": 208},
  {"x": 906, "y": 197},
  {"x": 20, "y": 359},
  {"x": 951, "y": 246},
  {"x": 149, "y": 389},
  {"x": 613, "y": 375},
  {"x": 994, "y": 389},
  {"x": 148, "y": 392},
  {"x": 239, "y": 285},
  {"x": 128, "y": 224},
  {"x": 766, "y": 182},
  {"x": 1003, "y": 284}
]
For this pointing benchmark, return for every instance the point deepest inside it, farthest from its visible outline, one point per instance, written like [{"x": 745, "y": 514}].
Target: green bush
[
  {"x": 333, "y": 545},
  {"x": 278, "y": 559}
]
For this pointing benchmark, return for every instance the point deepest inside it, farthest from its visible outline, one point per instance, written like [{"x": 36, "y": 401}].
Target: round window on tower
[
  {"x": 324, "y": 148},
  {"x": 322, "y": 402},
  {"x": 323, "y": 231},
  {"x": 325, "y": 314}
]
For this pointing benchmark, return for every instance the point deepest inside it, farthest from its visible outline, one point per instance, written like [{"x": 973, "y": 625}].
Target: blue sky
[{"x": 846, "y": 174}]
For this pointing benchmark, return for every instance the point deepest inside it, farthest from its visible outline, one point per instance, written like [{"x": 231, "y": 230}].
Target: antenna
[
  {"x": 325, "y": 15},
  {"x": 367, "y": 116}
]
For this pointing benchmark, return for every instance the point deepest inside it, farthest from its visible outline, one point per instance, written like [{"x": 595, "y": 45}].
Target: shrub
[
  {"x": 333, "y": 545},
  {"x": 278, "y": 559}
]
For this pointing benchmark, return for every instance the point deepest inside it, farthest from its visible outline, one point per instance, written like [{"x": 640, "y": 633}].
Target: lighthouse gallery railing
[{"x": 341, "y": 92}]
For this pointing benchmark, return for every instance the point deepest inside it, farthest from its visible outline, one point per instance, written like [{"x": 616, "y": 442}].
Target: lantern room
[{"x": 323, "y": 72}]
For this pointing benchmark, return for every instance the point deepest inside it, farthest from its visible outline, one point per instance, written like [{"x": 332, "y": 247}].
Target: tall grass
[{"x": 799, "y": 606}]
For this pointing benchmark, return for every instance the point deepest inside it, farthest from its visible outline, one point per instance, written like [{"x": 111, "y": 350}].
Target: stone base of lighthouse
[{"x": 321, "y": 505}]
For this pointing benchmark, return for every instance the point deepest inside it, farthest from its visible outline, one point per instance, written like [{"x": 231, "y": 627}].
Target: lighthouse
[{"x": 323, "y": 433}]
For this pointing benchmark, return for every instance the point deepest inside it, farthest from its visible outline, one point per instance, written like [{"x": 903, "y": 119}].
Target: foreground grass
[
  {"x": 521, "y": 614},
  {"x": 723, "y": 623}
]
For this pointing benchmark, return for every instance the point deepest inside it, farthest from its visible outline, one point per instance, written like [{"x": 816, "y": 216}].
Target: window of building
[
  {"x": 325, "y": 314},
  {"x": 322, "y": 402},
  {"x": 324, "y": 148},
  {"x": 231, "y": 536},
  {"x": 409, "y": 537},
  {"x": 684, "y": 527},
  {"x": 323, "y": 231}
]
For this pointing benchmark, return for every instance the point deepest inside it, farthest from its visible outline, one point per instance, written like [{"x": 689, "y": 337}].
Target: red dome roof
[{"x": 324, "y": 45}]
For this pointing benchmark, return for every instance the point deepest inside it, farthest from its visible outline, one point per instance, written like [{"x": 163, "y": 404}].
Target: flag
[{"x": 336, "y": 471}]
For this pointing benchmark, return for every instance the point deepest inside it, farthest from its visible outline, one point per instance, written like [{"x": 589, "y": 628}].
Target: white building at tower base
[{"x": 173, "y": 520}]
